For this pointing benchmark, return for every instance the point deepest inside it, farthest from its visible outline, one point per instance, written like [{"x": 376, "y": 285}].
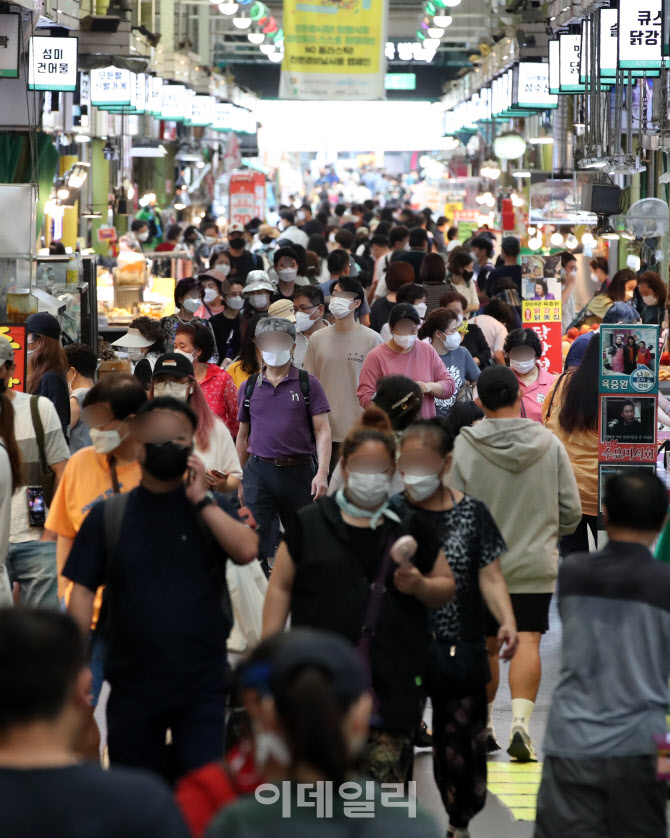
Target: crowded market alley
[{"x": 334, "y": 419}]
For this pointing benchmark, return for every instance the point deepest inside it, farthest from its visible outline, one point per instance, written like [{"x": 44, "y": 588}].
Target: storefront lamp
[
  {"x": 535, "y": 243},
  {"x": 556, "y": 239},
  {"x": 242, "y": 22},
  {"x": 442, "y": 20},
  {"x": 509, "y": 146},
  {"x": 276, "y": 57},
  {"x": 228, "y": 8},
  {"x": 256, "y": 38}
]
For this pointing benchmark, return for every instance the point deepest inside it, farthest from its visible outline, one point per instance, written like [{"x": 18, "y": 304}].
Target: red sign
[
  {"x": 247, "y": 197},
  {"x": 16, "y": 335},
  {"x": 106, "y": 234},
  {"x": 550, "y": 335}
]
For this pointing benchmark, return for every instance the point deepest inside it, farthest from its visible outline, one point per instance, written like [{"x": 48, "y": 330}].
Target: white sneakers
[{"x": 520, "y": 746}]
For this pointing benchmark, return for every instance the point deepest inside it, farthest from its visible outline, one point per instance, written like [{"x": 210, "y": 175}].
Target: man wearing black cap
[{"x": 522, "y": 472}]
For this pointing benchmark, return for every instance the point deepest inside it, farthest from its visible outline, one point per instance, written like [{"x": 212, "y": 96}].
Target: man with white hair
[{"x": 284, "y": 440}]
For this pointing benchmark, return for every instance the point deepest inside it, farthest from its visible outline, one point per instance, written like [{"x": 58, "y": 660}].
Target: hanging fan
[{"x": 648, "y": 218}]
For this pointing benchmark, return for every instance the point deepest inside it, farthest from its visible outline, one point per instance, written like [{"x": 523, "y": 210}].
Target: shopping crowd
[{"x": 342, "y": 428}]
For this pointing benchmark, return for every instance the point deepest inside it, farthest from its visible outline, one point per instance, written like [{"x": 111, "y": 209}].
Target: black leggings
[
  {"x": 578, "y": 541},
  {"x": 459, "y": 756}
]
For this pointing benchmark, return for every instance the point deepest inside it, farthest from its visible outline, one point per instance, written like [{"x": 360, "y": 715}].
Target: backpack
[{"x": 305, "y": 389}]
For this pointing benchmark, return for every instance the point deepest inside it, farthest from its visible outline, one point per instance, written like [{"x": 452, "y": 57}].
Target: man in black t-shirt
[
  {"x": 510, "y": 250},
  {"x": 241, "y": 260},
  {"x": 162, "y": 560},
  {"x": 44, "y": 703}
]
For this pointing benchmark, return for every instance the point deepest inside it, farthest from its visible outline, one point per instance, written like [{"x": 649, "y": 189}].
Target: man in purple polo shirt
[{"x": 284, "y": 432}]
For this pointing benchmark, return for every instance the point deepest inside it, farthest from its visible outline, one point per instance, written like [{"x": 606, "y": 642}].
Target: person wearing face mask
[
  {"x": 220, "y": 261},
  {"x": 600, "y": 273},
  {"x": 290, "y": 232},
  {"x": 144, "y": 342},
  {"x": 469, "y": 535},
  {"x": 568, "y": 277},
  {"x": 441, "y": 328},
  {"x": 210, "y": 238},
  {"x": 172, "y": 239},
  {"x": 405, "y": 355},
  {"x": 81, "y": 377},
  {"x": 461, "y": 277},
  {"x": 266, "y": 244},
  {"x": 109, "y": 466},
  {"x": 188, "y": 297},
  {"x": 620, "y": 290},
  {"x": 212, "y": 301},
  {"x": 169, "y": 614},
  {"x": 139, "y": 231},
  {"x": 47, "y": 364},
  {"x": 226, "y": 325},
  {"x": 197, "y": 344},
  {"x": 286, "y": 269},
  {"x": 523, "y": 349},
  {"x": 257, "y": 294},
  {"x": 653, "y": 294},
  {"x": 332, "y": 553},
  {"x": 413, "y": 294},
  {"x": 248, "y": 360},
  {"x": 284, "y": 438},
  {"x": 335, "y": 356},
  {"x": 309, "y": 309},
  {"x": 31, "y": 560},
  {"x": 242, "y": 262}
]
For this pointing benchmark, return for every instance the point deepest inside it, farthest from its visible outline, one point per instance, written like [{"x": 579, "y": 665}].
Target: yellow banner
[
  {"x": 334, "y": 49},
  {"x": 541, "y": 311}
]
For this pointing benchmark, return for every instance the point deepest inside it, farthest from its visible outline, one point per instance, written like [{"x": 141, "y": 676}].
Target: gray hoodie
[{"x": 522, "y": 472}]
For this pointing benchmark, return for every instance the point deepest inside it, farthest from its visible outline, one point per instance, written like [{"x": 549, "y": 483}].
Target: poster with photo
[
  {"x": 628, "y": 359},
  {"x": 605, "y": 472},
  {"x": 539, "y": 279},
  {"x": 627, "y": 429}
]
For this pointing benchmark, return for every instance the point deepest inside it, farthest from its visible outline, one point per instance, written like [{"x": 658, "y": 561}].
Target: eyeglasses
[{"x": 306, "y": 309}]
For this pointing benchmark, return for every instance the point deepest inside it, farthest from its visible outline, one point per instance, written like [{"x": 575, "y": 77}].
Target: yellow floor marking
[{"x": 516, "y": 786}]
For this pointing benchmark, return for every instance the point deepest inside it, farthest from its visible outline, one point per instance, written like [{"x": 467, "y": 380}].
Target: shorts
[{"x": 531, "y": 612}]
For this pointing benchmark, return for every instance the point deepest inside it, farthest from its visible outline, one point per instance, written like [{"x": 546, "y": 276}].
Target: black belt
[{"x": 287, "y": 462}]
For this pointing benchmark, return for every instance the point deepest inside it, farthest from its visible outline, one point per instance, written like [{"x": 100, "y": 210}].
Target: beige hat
[
  {"x": 133, "y": 338},
  {"x": 268, "y": 231},
  {"x": 283, "y": 309}
]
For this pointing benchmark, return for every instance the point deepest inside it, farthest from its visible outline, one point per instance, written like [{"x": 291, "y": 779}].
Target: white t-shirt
[
  {"x": 381, "y": 266},
  {"x": 453, "y": 244},
  {"x": 494, "y": 331},
  {"x": 5, "y": 515},
  {"x": 221, "y": 454},
  {"x": 56, "y": 451}
]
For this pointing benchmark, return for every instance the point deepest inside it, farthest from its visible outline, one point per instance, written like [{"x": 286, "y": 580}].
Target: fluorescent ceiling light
[
  {"x": 82, "y": 138},
  {"x": 520, "y": 174},
  {"x": 541, "y": 140},
  {"x": 148, "y": 151}
]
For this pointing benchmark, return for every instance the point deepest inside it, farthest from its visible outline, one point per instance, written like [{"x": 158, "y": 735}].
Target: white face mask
[
  {"x": 211, "y": 240},
  {"x": 104, "y": 442},
  {"x": 189, "y": 355},
  {"x": 143, "y": 236},
  {"x": 421, "y": 486},
  {"x": 210, "y": 295},
  {"x": 259, "y": 301},
  {"x": 269, "y": 745},
  {"x": 235, "y": 303},
  {"x": 224, "y": 267},
  {"x": 301, "y": 216},
  {"x": 522, "y": 367},
  {"x": 191, "y": 305},
  {"x": 629, "y": 295},
  {"x": 404, "y": 341},
  {"x": 650, "y": 300},
  {"x": 179, "y": 390},
  {"x": 331, "y": 238},
  {"x": 406, "y": 245},
  {"x": 594, "y": 277},
  {"x": 452, "y": 341},
  {"x": 135, "y": 354},
  {"x": 287, "y": 274},
  {"x": 303, "y": 322},
  {"x": 339, "y": 307},
  {"x": 355, "y": 219},
  {"x": 276, "y": 359},
  {"x": 421, "y": 309},
  {"x": 368, "y": 490}
]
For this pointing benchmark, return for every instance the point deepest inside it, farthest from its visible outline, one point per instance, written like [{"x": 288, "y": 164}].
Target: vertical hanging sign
[
  {"x": 52, "y": 63},
  {"x": 640, "y": 29},
  {"x": 9, "y": 46},
  {"x": 334, "y": 51}
]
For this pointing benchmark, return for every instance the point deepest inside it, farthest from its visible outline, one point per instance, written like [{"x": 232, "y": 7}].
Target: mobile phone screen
[{"x": 37, "y": 508}]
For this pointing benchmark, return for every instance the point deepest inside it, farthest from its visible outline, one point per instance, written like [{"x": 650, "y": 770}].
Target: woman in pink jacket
[{"x": 405, "y": 355}]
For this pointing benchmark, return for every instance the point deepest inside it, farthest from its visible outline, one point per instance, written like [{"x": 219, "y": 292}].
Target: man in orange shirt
[{"x": 97, "y": 472}]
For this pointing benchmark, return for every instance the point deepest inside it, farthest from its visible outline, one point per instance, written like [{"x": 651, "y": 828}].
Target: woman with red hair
[{"x": 174, "y": 376}]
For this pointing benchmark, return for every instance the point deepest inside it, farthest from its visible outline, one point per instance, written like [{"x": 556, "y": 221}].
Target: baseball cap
[
  {"x": 497, "y": 387},
  {"x": 6, "y": 351},
  {"x": 44, "y": 324},
  {"x": 173, "y": 363},
  {"x": 404, "y": 311},
  {"x": 213, "y": 274},
  {"x": 133, "y": 338},
  {"x": 258, "y": 281},
  {"x": 283, "y": 309},
  {"x": 235, "y": 228}
]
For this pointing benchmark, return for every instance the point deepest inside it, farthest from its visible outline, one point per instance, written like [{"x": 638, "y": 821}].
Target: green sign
[{"x": 400, "y": 81}]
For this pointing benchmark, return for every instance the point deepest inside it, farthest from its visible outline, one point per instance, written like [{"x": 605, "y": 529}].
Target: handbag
[
  {"x": 466, "y": 393},
  {"x": 456, "y": 669}
]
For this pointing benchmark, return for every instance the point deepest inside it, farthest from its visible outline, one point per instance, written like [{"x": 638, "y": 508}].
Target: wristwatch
[{"x": 201, "y": 504}]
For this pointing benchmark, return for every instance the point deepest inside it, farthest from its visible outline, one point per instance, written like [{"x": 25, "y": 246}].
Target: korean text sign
[
  {"x": 52, "y": 63},
  {"x": 16, "y": 335},
  {"x": 334, "y": 51}
]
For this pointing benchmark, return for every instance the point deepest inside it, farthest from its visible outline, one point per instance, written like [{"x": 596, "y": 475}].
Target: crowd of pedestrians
[{"x": 343, "y": 446}]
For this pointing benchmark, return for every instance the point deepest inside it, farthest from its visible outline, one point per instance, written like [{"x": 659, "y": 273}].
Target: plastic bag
[{"x": 247, "y": 585}]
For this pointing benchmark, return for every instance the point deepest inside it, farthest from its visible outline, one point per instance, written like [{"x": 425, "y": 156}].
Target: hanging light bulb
[
  {"x": 267, "y": 49},
  {"x": 242, "y": 22},
  {"x": 276, "y": 57},
  {"x": 435, "y": 32},
  {"x": 451, "y": 3},
  {"x": 517, "y": 201},
  {"x": 63, "y": 193},
  {"x": 556, "y": 239},
  {"x": 535, "y": 243},
  {"x": 480, "y": 199},
  {"x": 256, "y": 38},
  {"x": 532, "y": 231},
  {"x": 571, "y": 241},
  {"x": 228, "y": 7},
  {"x": 442, "y": 20},
  {"x": 588, "y": 240}
]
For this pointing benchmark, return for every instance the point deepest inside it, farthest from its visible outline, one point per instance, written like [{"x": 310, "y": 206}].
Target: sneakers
[
  {"x": 423, "y": 738},
  {"x": 520, "y": 746},
  {"x": 491, "y": 742}
]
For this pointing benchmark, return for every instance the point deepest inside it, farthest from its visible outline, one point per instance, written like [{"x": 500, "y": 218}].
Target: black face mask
[
  {"x": 266, "y": 240},
  {"x": 236, "y": 244},
  {"x": 166, "y": 460},
  {"x": 467, "y": 275},
  {"x": 3, "y": 385}
]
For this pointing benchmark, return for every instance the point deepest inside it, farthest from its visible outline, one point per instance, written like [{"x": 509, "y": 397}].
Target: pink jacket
[
  {"x": 421, "y": 364},
  {"x": 535, "y": 394}
]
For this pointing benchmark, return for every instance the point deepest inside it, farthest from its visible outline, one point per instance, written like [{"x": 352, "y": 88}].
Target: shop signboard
[
  {"x": 174, "y": 102},
  {"x": 16, "y": 335},
  {"x": 569, "y": 51},
  {"x": 550, "y": 335},
  {"x": 156, "y": 95},
  {"x": 628, "y": 359},
  {"x": 52, "y": 63},
  {"x": 531, "y": 86},
  {"x": 9, "y": 46},
  {"x": 639, "y": 25},
  {"x": 247, "y": 196},
  {"x": 106, "y": 234},
  {"x": 110, "y": 86},
  {"x": 202, "y": 110},
  {"x": 554, "y": 67},
  {"x": 334, "y": 51},
  {"x": 627, "y": 429}
]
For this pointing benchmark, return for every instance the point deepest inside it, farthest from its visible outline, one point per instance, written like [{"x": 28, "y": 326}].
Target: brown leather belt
[{"x": 287, "y": 462}]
